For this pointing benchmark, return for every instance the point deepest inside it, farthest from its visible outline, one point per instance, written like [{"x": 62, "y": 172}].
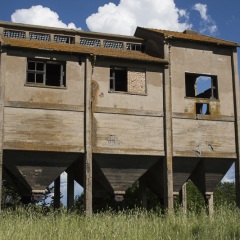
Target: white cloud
[
  {"x": 202, "y": 9},
  {"x": 39, "y": 15},
  {"x": 128, "y": 14},
  {"x": 207, "y": 25}
]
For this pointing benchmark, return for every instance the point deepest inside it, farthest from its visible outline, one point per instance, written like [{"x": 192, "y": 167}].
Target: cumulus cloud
[
  {"x": 39, "y": 15},
  {"x": 207, "y": 24},
  {"x": 128, "y": 14}
]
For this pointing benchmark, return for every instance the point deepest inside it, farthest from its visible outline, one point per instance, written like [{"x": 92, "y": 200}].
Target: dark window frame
[
  {"x": 119, "y": 80},
  {"x": 38, "y": 71},
  {"x": 115, "y": 85}
]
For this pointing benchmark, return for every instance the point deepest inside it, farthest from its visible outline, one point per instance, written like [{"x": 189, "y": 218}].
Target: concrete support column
[
  {"x": 70, "y": 190},
  {"x": 168, "y": 172},
  {"x": 183, "y": 197},
  {"x": 142, "y": 193},
  {"x": 2, "y": 68},
  {"x": 235, "y": 82},
  {"x": 209, "y": 203},
  {"x": 88, "y": 137},
  {"x": 57, "y": 193},
  {"x": 1, "y": 189}
]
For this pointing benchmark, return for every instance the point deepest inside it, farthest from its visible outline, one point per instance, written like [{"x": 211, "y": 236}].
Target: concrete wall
[{"x": 202, "y": 135}]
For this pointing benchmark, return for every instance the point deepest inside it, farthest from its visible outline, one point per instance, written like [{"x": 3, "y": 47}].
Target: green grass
[{"x": 132, "y": 224}]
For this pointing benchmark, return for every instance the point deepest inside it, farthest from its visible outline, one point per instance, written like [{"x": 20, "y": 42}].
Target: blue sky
[{"x": 218, "y": 18}]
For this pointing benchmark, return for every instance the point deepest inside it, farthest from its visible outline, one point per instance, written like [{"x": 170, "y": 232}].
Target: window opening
[
  {"x": 135, "y": 47},
  {"x": 63, "y": 39},
  {"x": 128, "y": 80},
  {"x": 202, "y": 108},
  {"x": 114, "y": 45},
  {"x": 46, "y": 73},
  {"x": 14, "y": 34},
  {"x": 90, "y": 42},
  {"x": 201, "y": 86},
  {"x": 39, "y": 37}
]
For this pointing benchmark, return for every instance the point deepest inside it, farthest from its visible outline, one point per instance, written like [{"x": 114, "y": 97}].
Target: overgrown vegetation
[
  {"x": 131, "y": 224},
  {"x": 41, "y": 222}
]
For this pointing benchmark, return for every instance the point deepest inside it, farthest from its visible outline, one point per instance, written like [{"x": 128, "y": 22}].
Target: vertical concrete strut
[
  {"x": 168, "y": 172},
  {"x": 142, "y": 193},
  {"x": 235, "y": 78},
  {"x": 88, "y": 137},
  {"x": 1, "y": 122},
  {"x": 70, "y": 190},
  {"x": 57, "y": 193},
  {"x": 209, "y": 204},
  {"x": 183, "y": 197}
]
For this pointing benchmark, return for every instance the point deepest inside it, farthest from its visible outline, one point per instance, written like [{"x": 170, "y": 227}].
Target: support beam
[
  {"x": 88, "y": 137},
  {"x": 142, "y": 193},
  {"x": 2, "y": 65},
  {"x": 168, "y": 172},
  {"x": 183, "y": 197},
  {"x": 57, "y": 193},
  {"x": 235, "y": 78},
  {"x": 70, "y": 190},
  {"x": 209, "y": 204}
]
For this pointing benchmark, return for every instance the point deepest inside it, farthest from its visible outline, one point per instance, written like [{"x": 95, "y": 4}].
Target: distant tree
[
  {"x": 195, "y": 200},
  {"x": 225, "y": 194},
  {"x": 10, "y": 197}
]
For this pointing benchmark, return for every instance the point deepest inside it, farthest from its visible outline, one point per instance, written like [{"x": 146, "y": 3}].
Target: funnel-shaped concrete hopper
[
  {"x": 154, "y": 178},
  {"x": 37, "y": 169},
  {"x": 182, "y": 169},
  {"x": 122, "y": 171},
  {"x": 210, "y": 172}
]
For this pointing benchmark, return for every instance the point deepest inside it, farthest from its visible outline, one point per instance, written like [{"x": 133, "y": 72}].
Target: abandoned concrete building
[{"x": 160, "y": 107}]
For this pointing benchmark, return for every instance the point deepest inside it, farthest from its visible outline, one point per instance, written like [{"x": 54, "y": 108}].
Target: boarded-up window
[
  {"x": 136, "y": 81},
  {"x": 128, "y": 80}
]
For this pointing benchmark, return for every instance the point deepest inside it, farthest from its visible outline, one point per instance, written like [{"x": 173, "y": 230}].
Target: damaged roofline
[{"x": 156, "y": 61}]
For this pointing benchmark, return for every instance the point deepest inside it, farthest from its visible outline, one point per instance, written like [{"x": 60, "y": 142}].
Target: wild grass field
[{"x": 23, "y": 224}]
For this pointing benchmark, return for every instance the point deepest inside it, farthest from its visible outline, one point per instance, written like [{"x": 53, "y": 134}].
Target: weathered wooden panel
[
  {"x": 115, "y": 133},
  {"x": 201, "y": 138},
  {"x": 48, "y": 130}
]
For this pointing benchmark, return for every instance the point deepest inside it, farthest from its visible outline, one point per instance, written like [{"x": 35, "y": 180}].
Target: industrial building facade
[{"x": 160, "y": 107}]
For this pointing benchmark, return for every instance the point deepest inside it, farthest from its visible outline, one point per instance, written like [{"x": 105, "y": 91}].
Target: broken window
[
  {"x": 46, "y": 73},
  {"x": 14, "y": 34},
  {"x": 90, "y": 42},
  {"x": 113, "y": 45},
  {"x": 63, "y": 39},
  {"x": 128, "y": 80},
  {"x": 201, "y": 86},
  {"x": 202, "y": 108},
  {"x": 39, "y": 37},
  {"x": 135, "y": 47}
]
